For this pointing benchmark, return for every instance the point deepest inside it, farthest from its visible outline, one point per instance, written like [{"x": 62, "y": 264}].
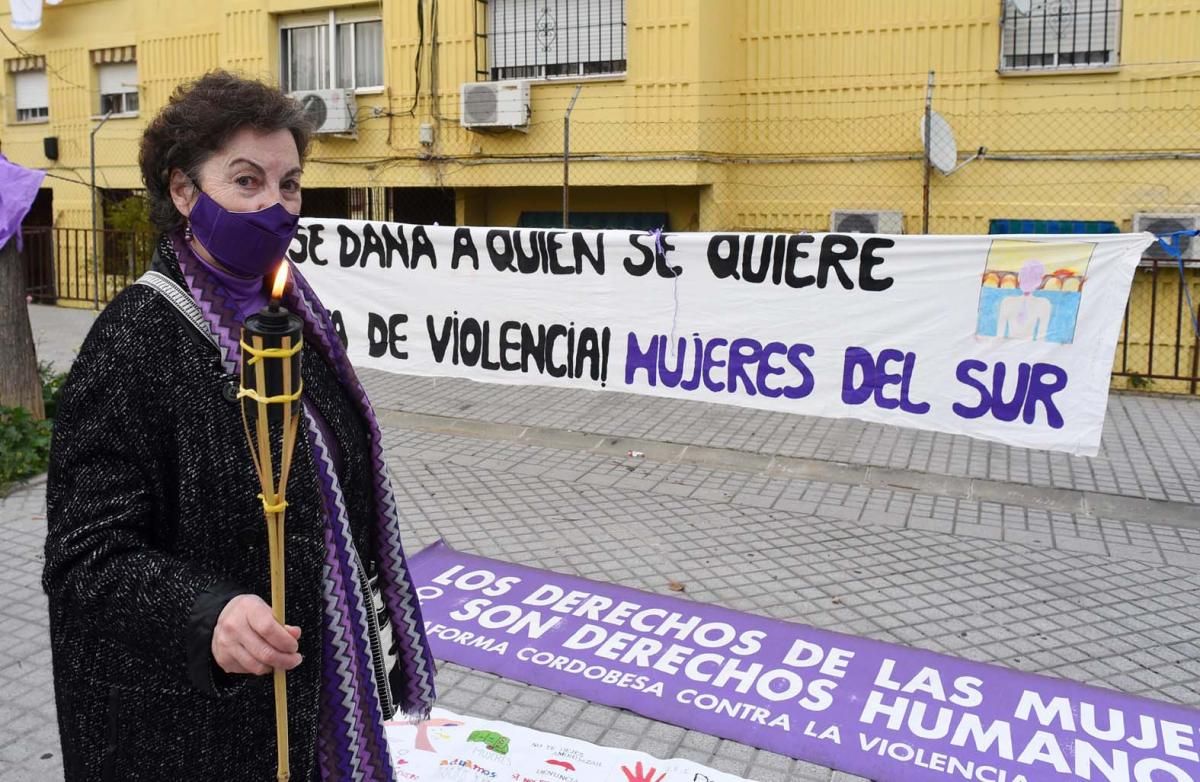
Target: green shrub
[
  {"x": 24, "y": 442},
  {"x": 24, "y": 445},
  {"x": 1140, "y": 382},
  {"x": 52, "y": 383}
]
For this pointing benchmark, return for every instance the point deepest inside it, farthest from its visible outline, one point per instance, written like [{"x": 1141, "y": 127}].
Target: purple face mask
[{"x": 246, "y": 243}]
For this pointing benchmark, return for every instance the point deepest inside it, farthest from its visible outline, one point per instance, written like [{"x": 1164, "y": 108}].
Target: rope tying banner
[{"x": 1173, "y": 244}]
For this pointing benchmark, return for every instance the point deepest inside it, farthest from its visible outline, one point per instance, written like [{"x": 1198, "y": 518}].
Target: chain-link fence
[{"x": 1074, "y": 152}]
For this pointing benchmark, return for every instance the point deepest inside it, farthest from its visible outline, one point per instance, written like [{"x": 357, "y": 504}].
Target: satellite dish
[
  {"x": 943, "y": 150},
  {"x": 1022, "y": 6}
]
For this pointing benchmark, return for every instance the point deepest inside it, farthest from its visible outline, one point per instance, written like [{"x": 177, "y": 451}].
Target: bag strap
[{"x": 180, "y": 299}]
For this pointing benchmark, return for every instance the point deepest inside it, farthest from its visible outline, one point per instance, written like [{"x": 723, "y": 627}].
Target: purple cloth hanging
[{"x": 18, "y": 188}]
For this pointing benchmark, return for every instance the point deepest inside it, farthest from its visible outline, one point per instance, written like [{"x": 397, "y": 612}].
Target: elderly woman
[{"x": 156, "y": 555}]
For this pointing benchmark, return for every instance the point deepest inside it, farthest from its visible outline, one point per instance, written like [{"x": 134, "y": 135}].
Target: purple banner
[{"x": 878, "y": 710}]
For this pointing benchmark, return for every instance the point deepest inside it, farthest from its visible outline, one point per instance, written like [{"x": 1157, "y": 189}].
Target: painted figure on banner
[
  {"x": 1025, "y": 316},
  {"x": 495, "y": 742},
  {"x": 422, "y": 741},
  {"x": 640, "y": 774},
  {"x": 1032, "y": 291}
]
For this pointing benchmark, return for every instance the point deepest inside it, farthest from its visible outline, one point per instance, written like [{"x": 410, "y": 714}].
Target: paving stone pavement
[
  {"x": 1131, "y": 537},
  {"x": 29, "y": 749},
  {"x": 1079, "y": 616},
  {"x": 1109, "y": 601},
  {"x": 1150, "y": 446},
  {"x": 58, "y": 332},
  {"x": 1110, "y": 617}
]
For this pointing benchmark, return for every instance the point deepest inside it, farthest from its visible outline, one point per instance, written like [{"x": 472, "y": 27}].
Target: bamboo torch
[{"x": 270, "y": 396}]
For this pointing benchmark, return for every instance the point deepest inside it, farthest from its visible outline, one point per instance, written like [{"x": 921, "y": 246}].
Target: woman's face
[{"x": 252, "y": 171}]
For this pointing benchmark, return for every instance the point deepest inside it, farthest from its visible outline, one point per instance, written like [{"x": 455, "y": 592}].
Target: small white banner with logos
[
  {"x": 1007, "y": 338},
  {"x": 450, "y": 746}
]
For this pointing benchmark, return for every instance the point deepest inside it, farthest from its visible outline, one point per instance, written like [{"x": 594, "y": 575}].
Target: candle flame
[{"x": 280, "y": 281}]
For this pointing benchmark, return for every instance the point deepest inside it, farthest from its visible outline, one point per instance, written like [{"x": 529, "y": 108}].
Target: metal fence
[
  {"x": 1159, "y": 347},
  {"x": 60, "y": 263}
]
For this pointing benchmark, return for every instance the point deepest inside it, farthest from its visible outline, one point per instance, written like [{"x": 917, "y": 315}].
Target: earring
[{"x": 187, "y": 231}]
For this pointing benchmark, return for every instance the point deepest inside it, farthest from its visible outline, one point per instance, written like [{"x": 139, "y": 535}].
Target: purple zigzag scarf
[{"x": 351, "y": 743}]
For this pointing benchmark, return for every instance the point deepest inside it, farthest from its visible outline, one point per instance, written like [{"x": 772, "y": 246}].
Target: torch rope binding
[
  {"x": 277, "y": 507},
  {"x": 270, "y": 400},
  {"x": 259, "y": 354}
]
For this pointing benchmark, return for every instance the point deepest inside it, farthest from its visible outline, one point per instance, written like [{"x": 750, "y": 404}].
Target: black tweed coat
[{"x": 154, "y": 524}]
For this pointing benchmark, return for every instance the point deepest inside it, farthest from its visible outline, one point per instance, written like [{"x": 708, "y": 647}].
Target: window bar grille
[
  {"x": 1104, "y": 25},
  {"x": 1029, "y": 47},
  {"x": 611, "y": 16},
  {"x": 1111, "y": 43},
  {"x": 624, "y": 40},
  {"x": 545, "y": 39},
  {"x": 1068, "y": 51},
  {"x": 1087, "y": 17},
  {"x": 600, "y": 38},
  {"x": 1087, "y": 57}
]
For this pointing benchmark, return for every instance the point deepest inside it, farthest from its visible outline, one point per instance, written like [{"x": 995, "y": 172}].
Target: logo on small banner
[{"x": 870, "y": 708}]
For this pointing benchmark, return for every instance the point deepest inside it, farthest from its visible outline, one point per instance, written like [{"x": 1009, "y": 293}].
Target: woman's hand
[{"x": 247, "y": 639}]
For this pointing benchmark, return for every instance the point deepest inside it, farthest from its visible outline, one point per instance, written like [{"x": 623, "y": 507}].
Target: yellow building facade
[{"x": 688, "y": 114}]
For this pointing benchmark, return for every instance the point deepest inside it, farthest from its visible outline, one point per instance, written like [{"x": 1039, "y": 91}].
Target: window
[
  {"x": 117, "y": 80},
  {"x": 331, "y": 49},
  {"x": 118, "y": 88},
  {"x": 1059, "y": 34},
  {"x": 536, "y": 39},
  {"x": 31, "y": 94}
]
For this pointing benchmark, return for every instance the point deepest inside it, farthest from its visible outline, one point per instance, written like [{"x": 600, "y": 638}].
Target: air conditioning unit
[
  {"x": 495, "y": 104},
  {"x": 329, "y": 111},
  {"x": 1159, "y": 224},
  {"x": 846, "y": 221}
]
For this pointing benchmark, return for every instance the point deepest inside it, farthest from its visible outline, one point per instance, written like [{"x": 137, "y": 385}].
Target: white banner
[
  {"x": 454, "y": 747},
  {"x": 1004, "y": 338}
]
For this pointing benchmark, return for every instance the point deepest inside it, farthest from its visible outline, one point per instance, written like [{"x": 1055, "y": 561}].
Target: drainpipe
[
  {"x": 567, "y": 156},
  {"x": 95, "y": 228}
]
